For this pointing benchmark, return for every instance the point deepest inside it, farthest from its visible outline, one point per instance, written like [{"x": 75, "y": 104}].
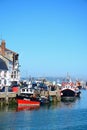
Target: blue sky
[{"x": 49, "y": 35}]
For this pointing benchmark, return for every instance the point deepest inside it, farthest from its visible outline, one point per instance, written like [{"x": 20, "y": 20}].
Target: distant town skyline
[{"x": 49, "y": 35}]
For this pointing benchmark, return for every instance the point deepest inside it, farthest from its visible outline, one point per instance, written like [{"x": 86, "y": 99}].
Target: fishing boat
[
  {"x": 69, "y": 91},
  {"x": 27, "y": 102},
  {"x": 27, "y": 97}
]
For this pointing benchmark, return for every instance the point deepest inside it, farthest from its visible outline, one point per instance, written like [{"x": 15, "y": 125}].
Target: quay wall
[
  {"x": 54, "y": 95},
  {"x": 7, "y": 97}
]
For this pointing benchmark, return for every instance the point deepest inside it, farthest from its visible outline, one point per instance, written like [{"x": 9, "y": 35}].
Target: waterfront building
[{"x": 9, "y": 66}]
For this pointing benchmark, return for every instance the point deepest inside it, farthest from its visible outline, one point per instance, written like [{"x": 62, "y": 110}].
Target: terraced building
[{"x": 9, "y": 66}]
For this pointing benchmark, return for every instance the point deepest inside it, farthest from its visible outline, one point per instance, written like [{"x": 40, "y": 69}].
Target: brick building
[{"x": 9, "y": 66}]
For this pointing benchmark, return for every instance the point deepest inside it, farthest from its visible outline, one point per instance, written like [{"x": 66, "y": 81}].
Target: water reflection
[
  {"x": 8, "y": 108},
  {"x": 55, "y": 105},
  {"x": 24, "y": 108},
  {"x": 59, "y": 105}
]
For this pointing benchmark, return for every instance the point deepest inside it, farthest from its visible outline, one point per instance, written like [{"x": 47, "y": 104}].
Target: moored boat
[
  {"x": 27, "y": 97},
  {"x": 69, "y": 91},
  {"x": 27, "y": 102}
]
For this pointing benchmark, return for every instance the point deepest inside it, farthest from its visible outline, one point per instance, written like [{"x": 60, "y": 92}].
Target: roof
[
  {"x": 6, "y": 49},
  {"x": 3, "y": 65}
]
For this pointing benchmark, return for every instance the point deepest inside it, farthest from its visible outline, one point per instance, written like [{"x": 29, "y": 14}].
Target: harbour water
[{"x": 57, "y": 116}]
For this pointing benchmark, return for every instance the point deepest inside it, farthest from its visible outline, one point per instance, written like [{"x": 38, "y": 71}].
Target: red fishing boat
[{"x": 27, "y": 98}]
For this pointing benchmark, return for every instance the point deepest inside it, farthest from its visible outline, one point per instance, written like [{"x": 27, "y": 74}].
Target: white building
[{"x": 9, "y": 66}]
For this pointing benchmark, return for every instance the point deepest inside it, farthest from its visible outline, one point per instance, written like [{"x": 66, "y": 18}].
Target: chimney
[{"x": 3, "y": 47}]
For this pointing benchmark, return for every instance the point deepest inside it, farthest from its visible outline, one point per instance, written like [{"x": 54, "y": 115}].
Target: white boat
[{"x": 69, "y": 90}]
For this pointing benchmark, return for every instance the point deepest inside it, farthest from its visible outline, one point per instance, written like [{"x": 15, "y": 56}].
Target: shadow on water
[{"x": 61, "y": 104}]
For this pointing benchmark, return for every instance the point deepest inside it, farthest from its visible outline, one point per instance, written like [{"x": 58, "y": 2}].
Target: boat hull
[
  {"x": 27, "y": 102},
  {"x": 67, "y": 93}
]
